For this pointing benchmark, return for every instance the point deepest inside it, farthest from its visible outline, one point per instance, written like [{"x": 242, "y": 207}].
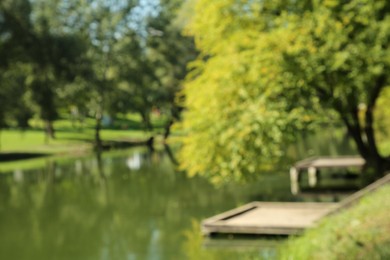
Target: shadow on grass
[
  {"x": 6, "y": 157},
  {"x": 111, "y": 144},
  {"x": 107, "y": 145},
  {"x": 79, "y": 139}
]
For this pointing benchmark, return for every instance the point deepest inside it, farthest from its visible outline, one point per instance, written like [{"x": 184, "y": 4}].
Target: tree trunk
[
  {"x": 146, "y": 121},
  {"x": 377, "y": 162},
  {"x": 98, "y": 125},
  {"x": 167, "y": 130},
  {"x": 364, "y": 138},
  {"x": 49, "y": 130},
  {"x": 354, "y": 131},
  {"x": 170, "y": 154}
]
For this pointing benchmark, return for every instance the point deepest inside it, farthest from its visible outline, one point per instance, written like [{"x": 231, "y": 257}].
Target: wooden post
[
  {"x": 294, "y": 174},
  {"x": 294, "y": 186},
  {"x": 294, "y": 180},
  {"x": 312, "y": 176}
]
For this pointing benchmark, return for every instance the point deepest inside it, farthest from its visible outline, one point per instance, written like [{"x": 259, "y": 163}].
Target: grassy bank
[
  {"x": 32, "y": 140},
  {"x": 74, "y": 136},
  {"x": 28, "y": 148},
  {"x": 361, "y": 232}
]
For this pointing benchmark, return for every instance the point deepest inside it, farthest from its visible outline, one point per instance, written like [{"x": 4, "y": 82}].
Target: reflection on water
[
  {"x": 196, "y": 247},
  {"x": 127, "y": 205},
  {"x": 134, "y": 162},
  {"x": 132, "y": 204}
]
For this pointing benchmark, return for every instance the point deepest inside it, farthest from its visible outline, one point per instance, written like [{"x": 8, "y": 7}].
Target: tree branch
[{"x": 354, "y": 127}]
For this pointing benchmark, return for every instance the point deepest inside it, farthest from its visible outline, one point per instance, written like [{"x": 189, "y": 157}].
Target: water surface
[{"x": 131, "y": 204}]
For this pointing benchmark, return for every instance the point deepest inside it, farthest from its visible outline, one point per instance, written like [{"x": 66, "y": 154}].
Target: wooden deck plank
[
  {"x": 282, "y": 217},
  {"x": 314, "y": 164},
  {"x": 330, "y": 162}
]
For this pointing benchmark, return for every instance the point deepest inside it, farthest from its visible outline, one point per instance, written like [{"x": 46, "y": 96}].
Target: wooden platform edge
[
  {"x": 251, "y": 230},
  {"x": 211, "y": 225},
  {"x": 354, "y": 160},
  {"x": 228, "y": 214}
]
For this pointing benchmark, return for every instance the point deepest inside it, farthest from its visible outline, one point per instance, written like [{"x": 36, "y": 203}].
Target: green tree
[
  {"x": 98, "y": 28},
  {"x": 37, "y": 36},
  {"x": 151, "y": 77},
  {"x": 270, "y": 68},
  {"x": 139, "y": 86},
  {"x": 13, "y": 42},
  {"x": 341, "y": 54},
  {"x": 169, "y": 51},
  {"x": 15, "y": 97},
  {"x": 56, "y": 54},
  {"x": 107, "y": 27}
]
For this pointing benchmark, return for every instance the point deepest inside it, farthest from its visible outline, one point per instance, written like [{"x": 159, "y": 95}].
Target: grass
[
  {"x": 74, "y": 137},
  {"x": 361, "y": 232}
]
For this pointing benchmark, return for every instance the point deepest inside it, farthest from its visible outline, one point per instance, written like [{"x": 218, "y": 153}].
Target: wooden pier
[
  {"x": 314, "y": 164},
  {"x": 280, "y": 218},
  {"x": 268, "y": 218}
]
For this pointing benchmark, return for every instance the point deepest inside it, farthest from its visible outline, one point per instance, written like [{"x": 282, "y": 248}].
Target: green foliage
[
  {"x": 16, "y": 102},
  {"x": 382, "y": 122},
  {"x": 358, "y": 233},
  {"x": 270, "y": 68},
  {"x": 90, "y": 57},
  {"x": 162, "y": 65},
  {"x": 236, "y": 119}
]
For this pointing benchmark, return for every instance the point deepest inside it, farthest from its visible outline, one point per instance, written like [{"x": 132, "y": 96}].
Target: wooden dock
[
  {"x": 314, "y": 164},
  {"x": 280, "y": 218},
  {"x": 268, "y": 218}
]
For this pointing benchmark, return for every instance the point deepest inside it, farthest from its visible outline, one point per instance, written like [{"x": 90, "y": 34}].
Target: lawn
[{"x": 74, "y": 136}]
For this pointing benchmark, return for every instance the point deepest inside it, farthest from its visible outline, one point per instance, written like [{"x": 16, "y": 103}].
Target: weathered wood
[
  {"x": 268, "y": 218},
  {"x": 314, "y": 164},
  {"x": 330, "y": 162},
  {"x": 280, "y": 218}
]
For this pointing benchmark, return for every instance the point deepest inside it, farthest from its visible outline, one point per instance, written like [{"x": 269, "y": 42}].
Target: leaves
[{"x": 268, "y": 69}]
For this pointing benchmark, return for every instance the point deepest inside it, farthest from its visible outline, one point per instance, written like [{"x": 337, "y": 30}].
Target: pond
[
  {"x": 124, "y": 205},
  {"x": 129, "y": 204}
]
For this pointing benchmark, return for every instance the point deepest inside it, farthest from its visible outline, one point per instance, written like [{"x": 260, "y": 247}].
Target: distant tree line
[{"x": 98, "y": 57}]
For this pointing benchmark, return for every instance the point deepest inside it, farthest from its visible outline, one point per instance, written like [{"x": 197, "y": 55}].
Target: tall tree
[
  {"x": 109, "y": 26},
  {"x": 342, "y": 55},
  {"x": 56, "y": 55},
  {"x": 100, "y": 27},
  {"x": 270, "y": 68},
  {"x": 152, "y": 77},
  {"x": 42, "y": 41},
  {"x": 170, "y": 51}
]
